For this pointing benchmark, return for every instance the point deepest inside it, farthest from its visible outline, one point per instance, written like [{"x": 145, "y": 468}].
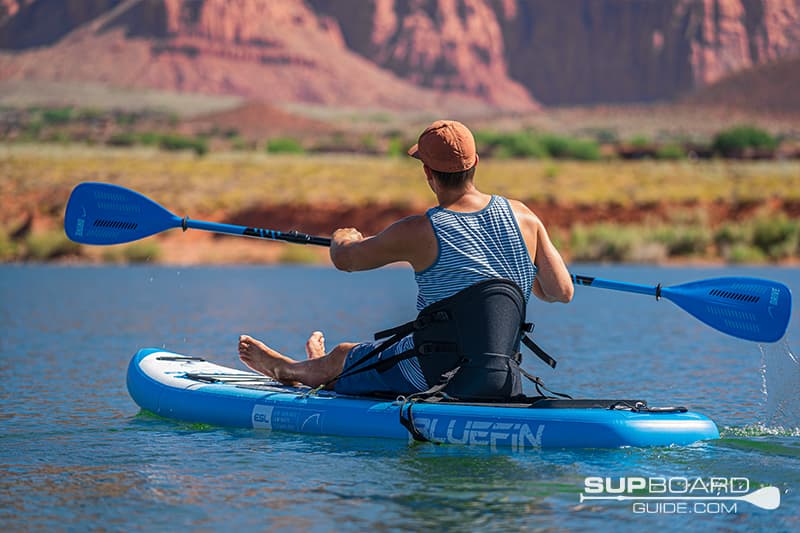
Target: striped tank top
[{"x": 473, "y": 247}]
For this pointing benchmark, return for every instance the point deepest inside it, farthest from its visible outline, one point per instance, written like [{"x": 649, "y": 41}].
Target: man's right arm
[{"x": 410, "y": 239}]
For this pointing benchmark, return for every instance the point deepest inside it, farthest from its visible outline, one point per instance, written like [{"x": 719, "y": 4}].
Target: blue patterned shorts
[{"x": 404, "y": 378}]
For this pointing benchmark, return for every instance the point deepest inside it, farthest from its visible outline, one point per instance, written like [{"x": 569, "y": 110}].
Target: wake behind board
[{"x": 192, "y": 389}]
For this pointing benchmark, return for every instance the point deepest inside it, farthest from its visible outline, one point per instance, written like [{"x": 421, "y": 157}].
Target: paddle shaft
[
  {"x": 617, "y": 285},
  {"x": 259, "y": 233}
]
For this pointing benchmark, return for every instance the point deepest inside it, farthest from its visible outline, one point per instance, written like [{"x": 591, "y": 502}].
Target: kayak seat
[{"x": 468, "y": 344}]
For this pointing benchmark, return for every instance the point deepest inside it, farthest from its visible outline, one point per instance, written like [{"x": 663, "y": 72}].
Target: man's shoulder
[
  {"x": 413, "y": 222},
  {"x": 414, "y": 219},
  {"x": 411, "y": 228},
  {"x": 520, "y": 209}
]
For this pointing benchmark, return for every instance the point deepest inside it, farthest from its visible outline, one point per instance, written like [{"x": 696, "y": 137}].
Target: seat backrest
[{"x": 482, "y": 333}]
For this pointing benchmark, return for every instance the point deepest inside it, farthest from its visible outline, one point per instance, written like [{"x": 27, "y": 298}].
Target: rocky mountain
[
  {"x": 772, "y": 88},
  {"x": 626, "y": 51},
  {"x": 280, "y": 51},
  {"x": 399, "y": 53}
]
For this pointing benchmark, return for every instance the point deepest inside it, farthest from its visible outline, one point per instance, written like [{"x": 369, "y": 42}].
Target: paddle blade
[
  {"x": 768, "y": 498},
  {"x": 748, "y": 308},
  {"x": 102, "y": 213}
]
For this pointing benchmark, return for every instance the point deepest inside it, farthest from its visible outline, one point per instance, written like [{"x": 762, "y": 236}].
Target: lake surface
[{"x": 76, "y": 454}]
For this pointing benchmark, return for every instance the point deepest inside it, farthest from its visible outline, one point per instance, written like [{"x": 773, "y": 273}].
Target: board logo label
[{"x": 262, "y": 416}]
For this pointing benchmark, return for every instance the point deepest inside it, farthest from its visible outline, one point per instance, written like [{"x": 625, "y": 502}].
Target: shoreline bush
[
  {"x": 284, "y": 145},
  {"x": 49, "y": 245},
  {"x": 733, "y": 142},
  {"x": 528, "y": 143}
]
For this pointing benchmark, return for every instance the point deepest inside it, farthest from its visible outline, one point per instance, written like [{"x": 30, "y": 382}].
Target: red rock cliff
[
  {"x": 263, "y": 49},
  {"x": 399, "y": 53},
  {"x": 456, "y": 45},
  {"x": 569, "y": 51}
]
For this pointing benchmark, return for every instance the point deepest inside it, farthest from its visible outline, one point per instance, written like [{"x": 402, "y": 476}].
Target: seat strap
[
  {"x": 383, "y": 365},
  {"x": 539, "y": 384},
  {"x": 532, "y": 346},
  {"x": 433, "y": 394},
  {"x": 395, "y": 335},
  {"x": 421, "y": 322}
]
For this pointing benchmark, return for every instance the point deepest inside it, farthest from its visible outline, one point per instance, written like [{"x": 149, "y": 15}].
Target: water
[{"x": 76, "y": 454}]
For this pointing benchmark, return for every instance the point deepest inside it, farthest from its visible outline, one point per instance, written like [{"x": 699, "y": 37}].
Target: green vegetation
[
  {"x": 744, "y": 253},
  {"x": 136, "y": 252},
  {"x": 158, "y": 128},
  {"x": 298, "y": 255},
  {"x": 602, "y": 135},
  {"x": 284, "y": 145},
  {"x": 57, "y": 116},
  {"x": 60, "y": 137},
  {"x": 369, "y": 144},
  {"x": 670, "y": 152},
  {"x": 126, "y": 119},
  {"x": 604, "y": 242},
  {"x": 561, "y": 147},
  {"x": 49, "y": 245},
  {"x": 531, "y": 144},
  {"x": 766, "y": 237},
  {"x": 528, "y": 143},
  {"x": 762, "y": 239},
  {"x": 175, "y": 142},
  {"x": 637, "y": 242},
  {"x": 8, "y": 248},
  {"x": 31, "y": 131},
  {"x": 686, "y": 240},
  {"x": 168, "y": 141},
  {"x": 734, "y": 141},
  {"x": 123, "y": 139},
  {"x": 508, "y": 145},
  {"x": 398, "y": 146},
  {"x": 640, "y": 141},
  {"x": 148, "y": 138},
  {"x": 776, "y": 236}
]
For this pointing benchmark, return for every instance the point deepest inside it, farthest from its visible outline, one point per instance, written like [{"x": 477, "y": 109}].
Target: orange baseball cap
[{"x": 446, "y": 146}]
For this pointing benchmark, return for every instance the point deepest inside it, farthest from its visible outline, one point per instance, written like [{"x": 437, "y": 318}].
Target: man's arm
[
  {"x": 553, "y": 282},
  {"x": 553, "y": 278},
  {"x": 410, "y": 239}
]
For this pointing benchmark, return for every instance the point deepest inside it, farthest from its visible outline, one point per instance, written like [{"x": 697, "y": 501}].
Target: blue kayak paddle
[
  {"x": 754, "y": 309},
  {"x": 102, "y": 213},
  {"x": 747, "y": 308}
]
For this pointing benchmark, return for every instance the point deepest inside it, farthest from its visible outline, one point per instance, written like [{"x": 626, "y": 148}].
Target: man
[{"x": 469, "y": 237}]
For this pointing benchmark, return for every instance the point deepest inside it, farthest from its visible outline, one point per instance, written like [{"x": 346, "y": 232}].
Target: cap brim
[{"x": 414, "y": 152}]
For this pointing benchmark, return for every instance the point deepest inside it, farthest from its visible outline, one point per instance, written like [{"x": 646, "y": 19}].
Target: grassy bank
[
  {"x": 230, "y": 180},
  {"x": 759, "y": 240},
  {"x": 35, "y": 181}
]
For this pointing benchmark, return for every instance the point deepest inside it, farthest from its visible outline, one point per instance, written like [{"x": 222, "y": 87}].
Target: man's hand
[
  {"x": 340, "y": 252},
  {"x": 343, "y": 235}
]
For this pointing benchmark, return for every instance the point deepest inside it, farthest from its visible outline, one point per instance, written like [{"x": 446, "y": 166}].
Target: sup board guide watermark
[{"x": 679, "y": 494}]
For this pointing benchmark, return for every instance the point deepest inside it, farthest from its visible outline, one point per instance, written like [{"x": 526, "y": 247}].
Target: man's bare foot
[
  {"x": 315, "y": 345},
  {"x": 263, "y": 359}
]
